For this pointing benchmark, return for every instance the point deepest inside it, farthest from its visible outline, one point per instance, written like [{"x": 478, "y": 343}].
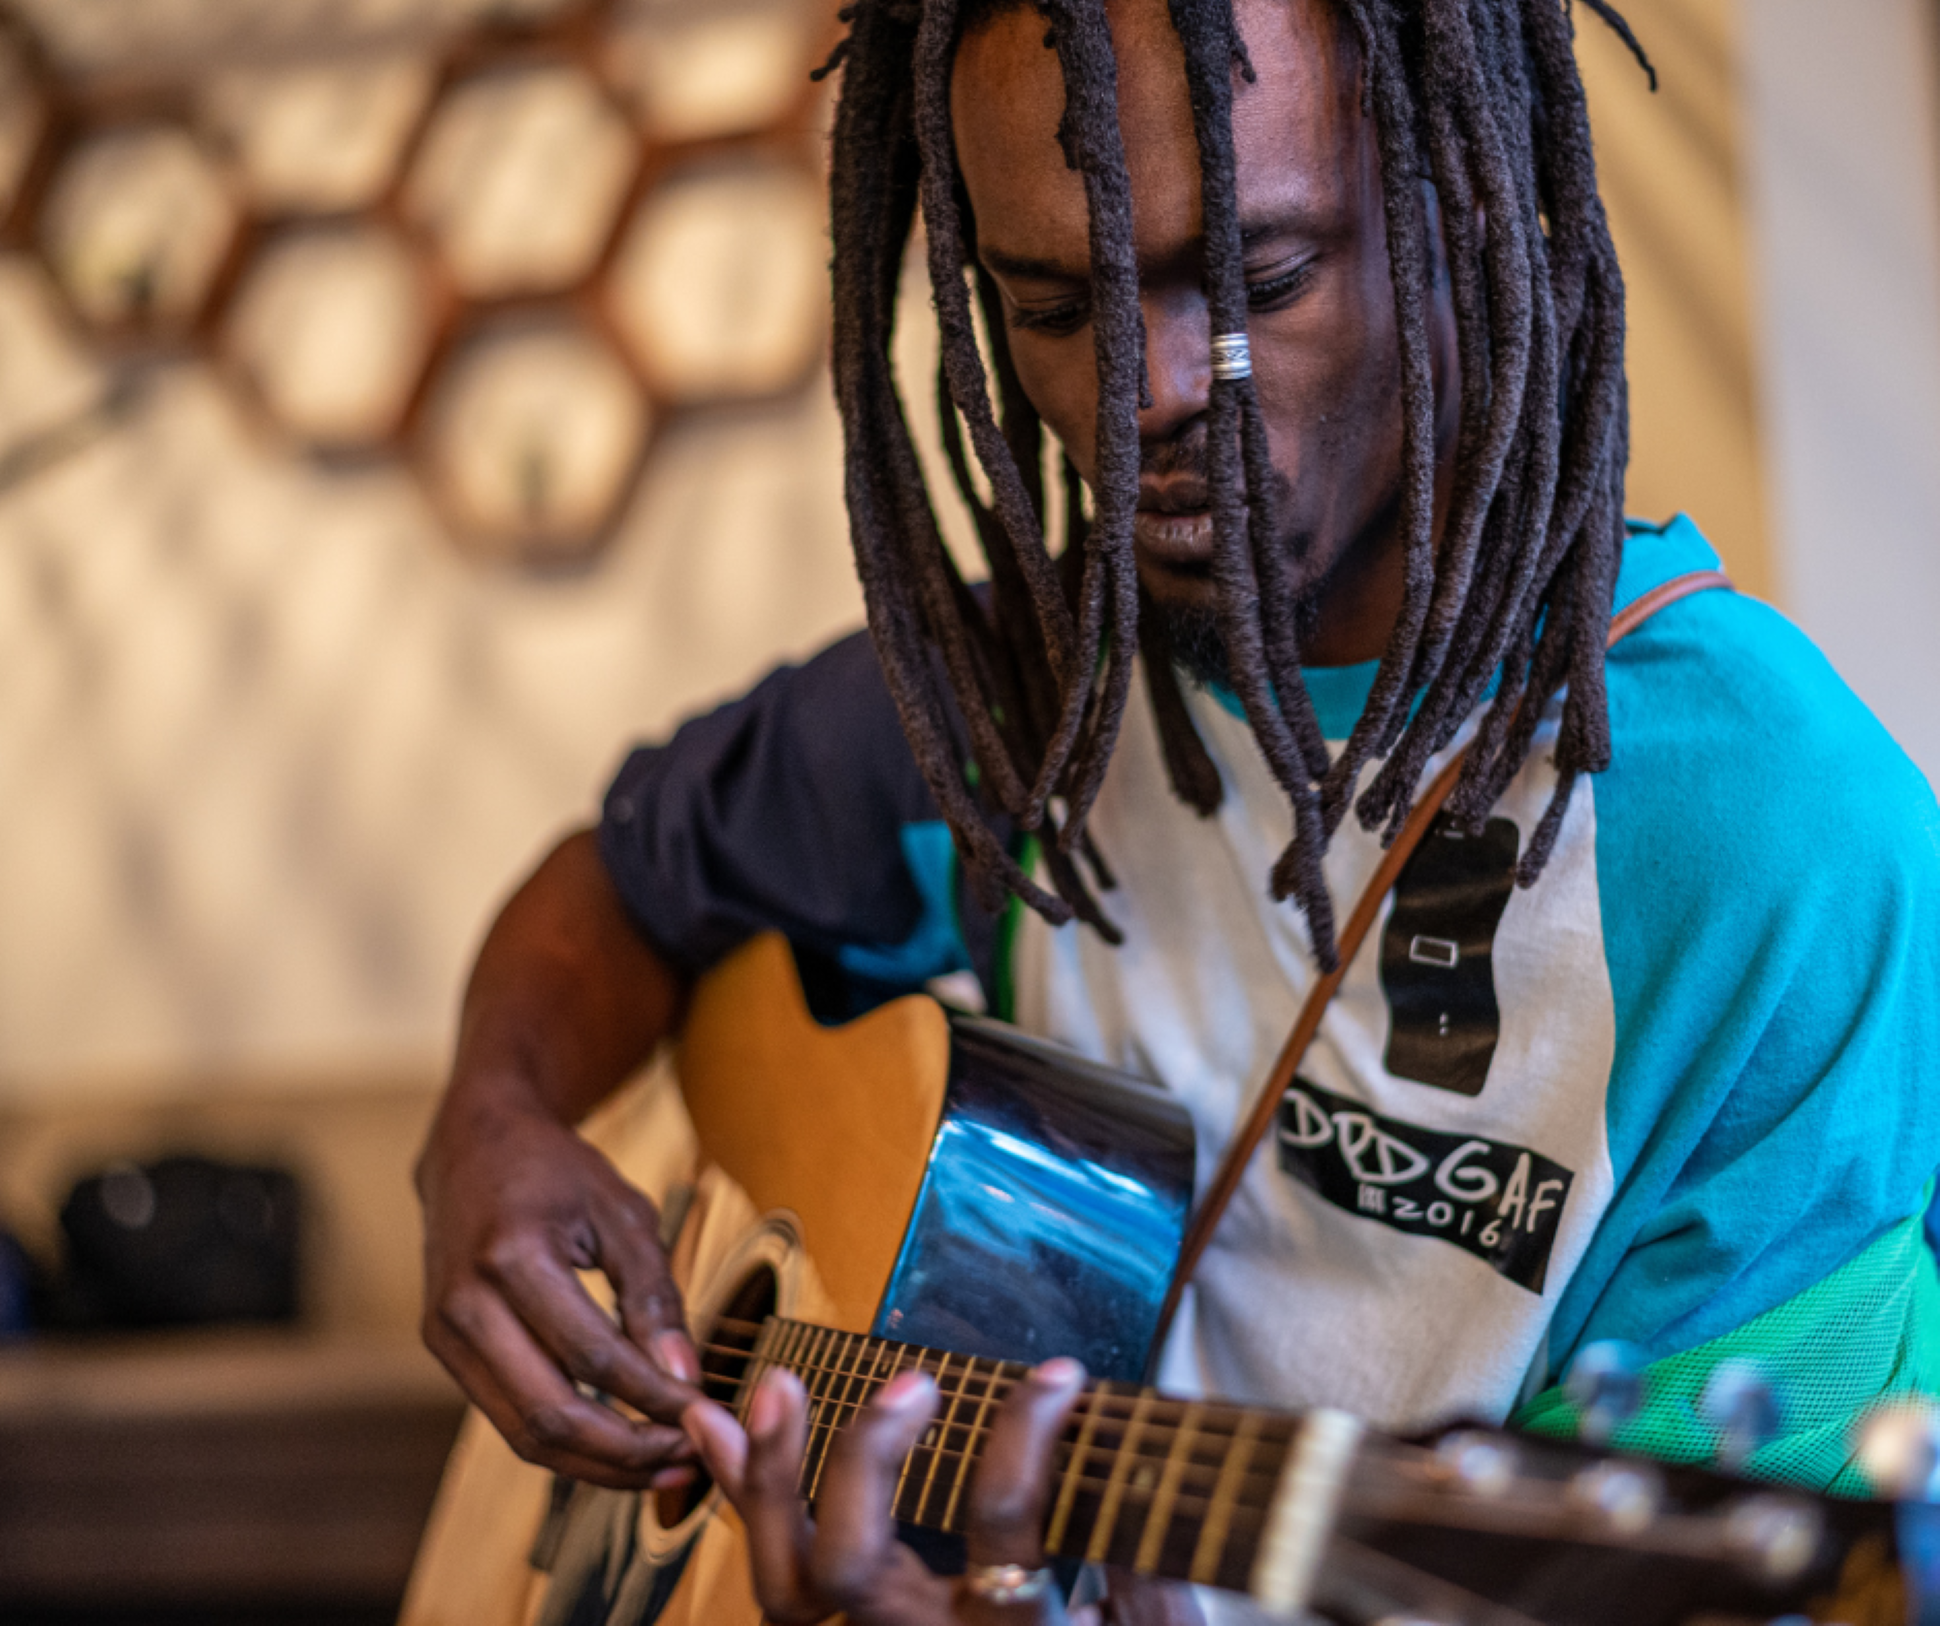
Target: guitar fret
[
  {"x": 814, "y": 1370},
  {"x": 938, "y": 1434},
  {"x": 1158, "y": 1518},
  {"x": 902, "y": 1479},
  {"x": 760, "y": 1358},
  {"x": 1074, "y": 1470},
  {"x": 1219, "y": 1516},
  {"x": 1106, "y": 1526},
  {"x": 779, "y": 1348},
  {"x": 972, "y": 1448},
  {"x": 853, "y": 1352}
]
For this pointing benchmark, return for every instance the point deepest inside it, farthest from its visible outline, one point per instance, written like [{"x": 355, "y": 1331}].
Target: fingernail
[
  {"x": 1061, "y": 1372},
  {"x": 672, "y": 1478},
  {"x": 676, "y": 1356},
  {"x": 906, "y": 1390}
]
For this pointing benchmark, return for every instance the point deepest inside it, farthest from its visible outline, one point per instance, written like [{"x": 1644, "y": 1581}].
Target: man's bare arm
[{"x": 565, "y": 1001}]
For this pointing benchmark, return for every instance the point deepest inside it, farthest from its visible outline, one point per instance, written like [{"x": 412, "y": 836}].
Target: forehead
[{"x": 1292, "y": 126}]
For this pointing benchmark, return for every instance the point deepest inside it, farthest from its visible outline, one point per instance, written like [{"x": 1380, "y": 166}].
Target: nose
[{"x": 1178, "y": 364}]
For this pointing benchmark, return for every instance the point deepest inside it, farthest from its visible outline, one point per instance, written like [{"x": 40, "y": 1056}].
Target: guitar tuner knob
[
  {"x": 1899, "y": 1450},
  {"x": 1606, "y": 1386},
  {"x": 1484, "y": 1464},
  {"x": 1625, "y": 1494},
  {"x": 1741, "y": 1403},
  {"x": 1775, "y": 1535}
]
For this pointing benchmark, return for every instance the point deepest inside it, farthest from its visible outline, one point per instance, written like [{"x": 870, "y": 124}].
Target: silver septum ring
[
  {"x": 1006, "y": 1583},
  {"x": 1232, "y": 356}
]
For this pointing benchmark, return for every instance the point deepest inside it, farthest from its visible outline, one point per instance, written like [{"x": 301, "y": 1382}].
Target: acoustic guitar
[{"x": 922, "y": 1189}]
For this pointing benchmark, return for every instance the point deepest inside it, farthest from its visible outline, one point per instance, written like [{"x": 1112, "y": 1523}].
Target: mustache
[{"x": 1181, "y": 459}]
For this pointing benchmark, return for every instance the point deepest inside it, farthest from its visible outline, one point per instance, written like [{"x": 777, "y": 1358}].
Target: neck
[{"x": 1179, "y": 1489}]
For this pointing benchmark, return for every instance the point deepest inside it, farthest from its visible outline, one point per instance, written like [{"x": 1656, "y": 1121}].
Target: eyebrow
[
  {"x": 1030, "y": 268},
  {"x": 1036, "y": 268}
]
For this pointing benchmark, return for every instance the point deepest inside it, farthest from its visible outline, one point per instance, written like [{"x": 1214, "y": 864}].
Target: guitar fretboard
[{"x": 1176, "y": 1488}]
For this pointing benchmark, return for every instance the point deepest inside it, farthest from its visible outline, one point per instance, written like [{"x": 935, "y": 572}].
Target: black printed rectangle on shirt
[{"x": 1500, "y": 1202}]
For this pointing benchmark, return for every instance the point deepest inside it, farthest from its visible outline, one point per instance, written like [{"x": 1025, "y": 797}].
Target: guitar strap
[{"x": 1239, "y": 1154}]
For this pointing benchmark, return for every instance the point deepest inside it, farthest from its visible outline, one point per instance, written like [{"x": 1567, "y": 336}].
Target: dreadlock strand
[
  {"x": 1403, "y": 166},
  {"x": 957, "y": 338}
]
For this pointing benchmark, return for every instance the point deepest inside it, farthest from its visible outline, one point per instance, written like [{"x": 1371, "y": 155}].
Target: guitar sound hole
[{"x": 727, "y": 1351}]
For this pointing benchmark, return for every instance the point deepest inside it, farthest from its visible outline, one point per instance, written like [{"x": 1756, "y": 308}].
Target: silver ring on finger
[{"x": 1006, "y": 1583}]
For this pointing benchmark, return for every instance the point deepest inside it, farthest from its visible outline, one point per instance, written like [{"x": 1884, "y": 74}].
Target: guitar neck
[
  {"x": 1185, "y": 1490},
  {"x": 1248, "y": 1500}
]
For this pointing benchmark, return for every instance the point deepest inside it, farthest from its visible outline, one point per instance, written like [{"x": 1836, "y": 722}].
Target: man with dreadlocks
[{"x": 1316, "y": 301}]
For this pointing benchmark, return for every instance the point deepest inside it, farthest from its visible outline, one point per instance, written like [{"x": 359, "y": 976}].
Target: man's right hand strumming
[{"x": 566, "y": 1001}]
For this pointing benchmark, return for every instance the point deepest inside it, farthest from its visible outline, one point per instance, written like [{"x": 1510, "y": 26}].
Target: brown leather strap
[{"x": 1239, "y": 1153}]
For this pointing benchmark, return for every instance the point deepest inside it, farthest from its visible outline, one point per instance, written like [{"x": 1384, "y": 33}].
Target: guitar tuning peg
[
  {"x": 1899, "y": 1450},
  {"x": 1605, "y": 1384},
  {"x": 1778, "y": 1536},
  {"x": 1627, "y": 1494},
  {"x": 1741, "y": 1403},
  {"x": 1485, "y": 1463}
]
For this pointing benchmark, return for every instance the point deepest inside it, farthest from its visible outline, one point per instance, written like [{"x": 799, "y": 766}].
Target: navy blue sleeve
[{"x": 797, "y": 808}]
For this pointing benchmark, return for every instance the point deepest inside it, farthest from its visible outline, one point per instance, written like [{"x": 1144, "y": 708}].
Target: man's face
[{"x": 1325, "y": 359}]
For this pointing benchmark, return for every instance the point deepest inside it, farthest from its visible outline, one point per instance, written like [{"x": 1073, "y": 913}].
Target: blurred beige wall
[
  {"x": 1844, "y": 114},
  {"x": 272, "y": 750},
  {"x": 1672, "y": 168}
]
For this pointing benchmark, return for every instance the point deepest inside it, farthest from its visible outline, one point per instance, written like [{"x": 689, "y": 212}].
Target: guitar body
[{"x": 931, "y": 1179}]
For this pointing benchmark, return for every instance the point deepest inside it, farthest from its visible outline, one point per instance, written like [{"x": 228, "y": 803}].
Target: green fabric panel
[
  {"x": 1868, "y": 1330},
  {"x": 1003, "y": 996}
]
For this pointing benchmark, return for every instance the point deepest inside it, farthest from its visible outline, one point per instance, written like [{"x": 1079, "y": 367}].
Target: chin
[{"x": 1182, "y": 587}]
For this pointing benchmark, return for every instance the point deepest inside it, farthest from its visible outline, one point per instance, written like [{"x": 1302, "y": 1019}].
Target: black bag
[{"x": 181, "y": 1242}]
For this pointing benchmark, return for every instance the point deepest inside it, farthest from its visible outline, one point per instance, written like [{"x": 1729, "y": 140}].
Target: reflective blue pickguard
[{"x": 1051, "y": 1211}]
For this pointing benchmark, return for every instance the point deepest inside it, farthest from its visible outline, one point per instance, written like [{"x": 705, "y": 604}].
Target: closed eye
[
  {"x": 1278, "y": 288},
  {"x": 1268, "y": 293},
  {"x": 1057, "y": 320}
]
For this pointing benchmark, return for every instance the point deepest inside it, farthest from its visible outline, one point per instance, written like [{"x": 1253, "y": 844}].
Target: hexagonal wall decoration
[
  {"x": 332, "y": 327},
  {"x": 698, "y": 69},
  {"x": 721, "y": 283},
  {"x": 532, "y": 434},
  {"x": 575, "y": 216},
  {"x": 136, "y": 227},
  {"x": 520, "y": 178},
  {"x": 317, "y": 138},
  {"x": 23, "y": 122}
]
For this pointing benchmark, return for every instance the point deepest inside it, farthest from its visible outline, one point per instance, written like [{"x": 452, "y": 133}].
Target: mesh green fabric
[{"x": 1869, "y": 1330}]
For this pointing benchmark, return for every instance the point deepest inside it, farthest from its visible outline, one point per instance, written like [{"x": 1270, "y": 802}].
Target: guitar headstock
[{"x": 1474, "y": 1526}]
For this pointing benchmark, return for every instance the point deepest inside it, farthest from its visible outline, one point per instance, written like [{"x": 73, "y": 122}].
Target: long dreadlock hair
[{"x": 1481, "y": 98}]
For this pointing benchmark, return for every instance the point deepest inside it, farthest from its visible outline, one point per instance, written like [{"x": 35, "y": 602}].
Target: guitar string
[
  {"x": 1210, "y": 1431},
  {"x": 1212, "y": 1441},
  {"x": 1103, "y": 1445},
  {"x": 1208, "y": 1453},
  {"x": 1197, "y": 1498},
  {"x": 1164, "y": 1408}
]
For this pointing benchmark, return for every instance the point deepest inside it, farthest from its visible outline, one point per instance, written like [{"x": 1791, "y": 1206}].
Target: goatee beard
[{"x": 1198, "y": 646}]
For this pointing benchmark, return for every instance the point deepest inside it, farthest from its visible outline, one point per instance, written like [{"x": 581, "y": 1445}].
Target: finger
[
  {"x": 503, "y": 1415},
  {"x": 631, "y": 1254},
  {"x": 779, "y": 1534},
  {"x": 547, "y": 1296},
  {"x": 1010, "y": 1493},
  {"x": 855, "y": 1530},
  {"x": 722, "y": 1443},
  {"x": 551, "y": 1419}
]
